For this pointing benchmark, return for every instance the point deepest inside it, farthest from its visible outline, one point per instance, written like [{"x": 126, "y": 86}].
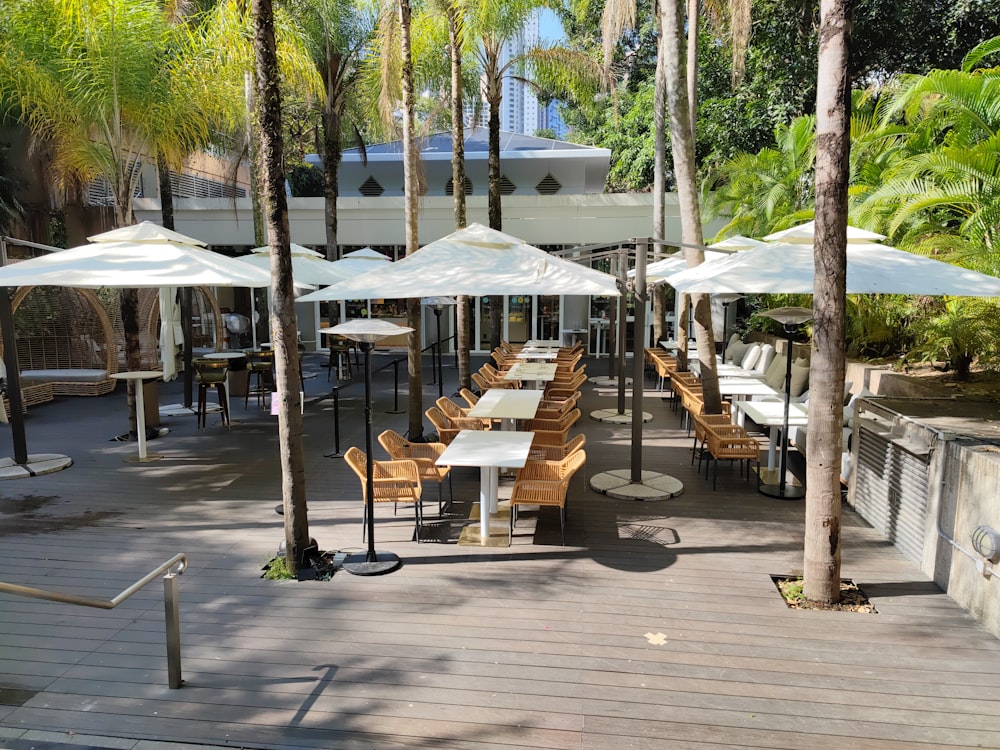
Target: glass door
[
  {"x": 519, "y": 318},
  {"x": 547, "y": 321}
]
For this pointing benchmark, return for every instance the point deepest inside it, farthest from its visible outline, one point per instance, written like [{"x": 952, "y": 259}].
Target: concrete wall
[
  {"x": 964, "y": 478},
  {"x": 540, "y": 220}
]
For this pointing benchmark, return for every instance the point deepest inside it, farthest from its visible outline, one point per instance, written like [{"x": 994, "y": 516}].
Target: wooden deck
[{"x": 657, "y": 626}]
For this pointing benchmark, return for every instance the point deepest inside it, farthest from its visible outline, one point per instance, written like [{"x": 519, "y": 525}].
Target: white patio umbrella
[
  {"x": 781, "y": 268},
  {"x": 475, "y": 261},
  {"x": 804, "y": 234},
  {"x": 657, "y": 272},
  {"x": 308, "y": 266}
]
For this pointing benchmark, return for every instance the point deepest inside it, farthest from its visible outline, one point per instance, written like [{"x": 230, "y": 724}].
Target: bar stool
[
  {"x": 340, "y": 351},
  {"x": 260, "y": 363},
  {"x": 208, "y": 373}
]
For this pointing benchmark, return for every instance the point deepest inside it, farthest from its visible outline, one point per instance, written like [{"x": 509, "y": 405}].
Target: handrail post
[
  {"x": 336, "y": 425},
  {"x": 171, "y": 606},
  {"x": 395, "y": 388}
]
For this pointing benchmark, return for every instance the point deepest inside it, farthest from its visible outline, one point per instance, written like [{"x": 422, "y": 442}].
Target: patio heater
[
  {"x": 366, "y": 331},
  {"x": 726, "y": 299},
  {"x": 438, "y": 304},
  {"x": 791, "y": 318}
]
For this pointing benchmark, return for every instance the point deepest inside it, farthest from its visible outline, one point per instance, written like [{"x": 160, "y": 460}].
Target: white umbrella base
[
  {"x": 654, "y": 486},
  {"x": 613, "y": 417},
  {"x": 38, "y": 464}
]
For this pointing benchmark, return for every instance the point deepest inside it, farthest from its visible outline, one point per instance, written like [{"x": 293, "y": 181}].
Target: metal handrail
[{"x": 170, "y": 603}]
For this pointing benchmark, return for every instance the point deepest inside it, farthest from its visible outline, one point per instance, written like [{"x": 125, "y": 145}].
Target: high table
[
  {"x": 490, "y": 450},
  {"x": 140, "y": 407},
  {"x": 507, "y": 405},
  {"x": 534, "y": 372},
  {"x": 771, "y": 414}
]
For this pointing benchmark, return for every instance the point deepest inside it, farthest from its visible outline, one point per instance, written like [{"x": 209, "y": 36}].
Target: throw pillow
[
  {"x": 847, "y": 391},
  {"x": 775, "y": 375},
  {"x": 751, "y": 357},
  {"x": 800, "y": 378},
  {"x": 735, "y": 352}
]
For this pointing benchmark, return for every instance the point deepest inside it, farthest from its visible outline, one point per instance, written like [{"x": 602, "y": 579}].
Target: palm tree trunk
[
  {"x": 821, "y": 567},
  {"x": 462, "y": 316},
  {"x": 411, "y": 183},
  {"x": 659, "y": 188},
  {"x": 331, "y": 156},
  {"x": 284, "y": 334},
  {"x": 682, "y": 148}
]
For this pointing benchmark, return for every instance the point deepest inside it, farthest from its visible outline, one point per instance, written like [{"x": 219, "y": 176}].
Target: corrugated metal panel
[{"x": 891, "y": 490}]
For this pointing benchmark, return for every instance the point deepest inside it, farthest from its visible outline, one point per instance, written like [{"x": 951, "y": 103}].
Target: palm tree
[
  {"x": 682, "y": 148},
  {"x": 393, "y": 68},
  {"x": 821, "y": 565},
  {"x": 337, "y": 33},
  {"x": 283, "y": 324}
]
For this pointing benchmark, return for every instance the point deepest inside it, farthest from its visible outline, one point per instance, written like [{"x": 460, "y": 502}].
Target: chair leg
[
  {"x": 418, "y": 519},
  {"x": 562, "y": 524},
  {"x": 223, "y": 402},
  {"x": 202, "y": 398},
  {"x": 440, "y": 499}
]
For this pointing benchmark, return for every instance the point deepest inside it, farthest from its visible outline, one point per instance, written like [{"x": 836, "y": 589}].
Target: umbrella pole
[
  {"x": 17, "y": 435},
  {"x": 188, "y": 339},
  {"x": 638, "y": 359}
]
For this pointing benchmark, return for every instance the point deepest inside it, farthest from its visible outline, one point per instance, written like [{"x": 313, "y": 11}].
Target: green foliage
[
  {"x": 306, "y": 180},
  {"x": 960, "y": 331},
  {"x": 276, "y": 569},
  {"x": 877, "y": 325},
  {"x": 11, "y": 211}
]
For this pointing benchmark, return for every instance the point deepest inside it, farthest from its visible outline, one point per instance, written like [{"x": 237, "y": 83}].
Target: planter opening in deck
[{"x": 852, "y": 598}]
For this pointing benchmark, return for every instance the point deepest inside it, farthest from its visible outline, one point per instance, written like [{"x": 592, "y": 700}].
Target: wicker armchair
[
  {"x": 541, "y": 452},
  {"x": 453, "y": 411},
  {"x": 729, "y": 442},
  {"x": 545, "y": 483},
  {"x": 470, "y": 398},
  {"x": 448, "y": 428},
  {"x": 702, "y": 424},
  {"x": 424, "y": 455},
  {"x": 563, "y": 423},
  {"x": 394, "y": 482}
]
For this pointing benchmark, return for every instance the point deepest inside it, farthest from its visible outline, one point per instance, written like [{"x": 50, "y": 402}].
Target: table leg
[
  {"x": 772, "y": 444},
  {"x": 140, "y": 419},
  {"x": 488, "y": 478}
]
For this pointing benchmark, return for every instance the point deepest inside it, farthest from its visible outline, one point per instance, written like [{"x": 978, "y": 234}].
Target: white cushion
[
  {"x": 765, "y": 358},
  {"x": 735, "y": 352},
  {"x": 751, "y": 357},
  {"x": 847, "y": 390},
  {"x": 800, "y": 378}
]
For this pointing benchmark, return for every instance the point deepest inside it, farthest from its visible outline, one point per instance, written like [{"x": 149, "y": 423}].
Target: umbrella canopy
[
  {"x": 871, "y": 269},
  {"x": 360, "y": 262},
  {"x": 476, "y": 261},
  {"x": 146, "y": 231},
  {"x": 804, "y": 234},
  {"x": 656, "y": 272},
  {"x": 308, "y": 266},
  {"x": 133, "y": 264}
]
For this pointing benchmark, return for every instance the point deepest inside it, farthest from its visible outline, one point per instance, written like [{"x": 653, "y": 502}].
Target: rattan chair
[
  {"x": 540, "y": 452},
  {"x": 453, "y": 411},
  {"x": 563, "y": 423},
  {"x": 394, "y": 482},
  {"x": 260, "y": 366},
  {"x": 545, "y": 483},
  {"x": 425, "y": 455}
]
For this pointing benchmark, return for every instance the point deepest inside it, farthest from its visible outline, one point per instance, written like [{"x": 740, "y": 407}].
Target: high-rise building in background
[{"x": 520, "y": 110}]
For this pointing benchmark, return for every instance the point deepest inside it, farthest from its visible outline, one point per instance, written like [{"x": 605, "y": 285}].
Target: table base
[
  {"x": 769, "y": 483},
  {"x": 148, "y": 458},
  {"x": 499, "y": 529},
  {"x": 360, "y": 565}
]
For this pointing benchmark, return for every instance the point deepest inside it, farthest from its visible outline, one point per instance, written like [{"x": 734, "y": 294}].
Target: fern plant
[{"x": 962, "y": 332}]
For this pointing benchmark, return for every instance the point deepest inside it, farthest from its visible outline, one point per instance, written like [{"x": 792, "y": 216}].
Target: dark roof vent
[
  {"x": 549, "y": 185},
  {"x": 506, "y": 186},
  {"x": 449, "y": 188},
  {"x": 370, "y": 188}
]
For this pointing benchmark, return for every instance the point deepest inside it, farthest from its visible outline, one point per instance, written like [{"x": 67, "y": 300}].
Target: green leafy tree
[{"x": 959, "y": 332}]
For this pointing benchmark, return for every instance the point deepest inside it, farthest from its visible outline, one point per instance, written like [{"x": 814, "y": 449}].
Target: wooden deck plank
[{"x": 532, "y": 646}]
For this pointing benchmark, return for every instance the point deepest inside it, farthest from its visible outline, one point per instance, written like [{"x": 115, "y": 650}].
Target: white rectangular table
[
  {"x": 537, "y": 353},
  {"x": 544, "y": 343},
  {"x": 771, "y": 414},
  {"x": 490, "y": 450},
  {"x": 750, "y": 387},
  {"x": 506, "y": 405},
  {"x": 534, "y": 372}
]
